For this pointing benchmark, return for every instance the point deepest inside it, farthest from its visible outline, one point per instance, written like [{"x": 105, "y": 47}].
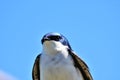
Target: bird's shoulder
[
  {"x": 81, "y": 65},
  {"x": 36, "y": 69}
]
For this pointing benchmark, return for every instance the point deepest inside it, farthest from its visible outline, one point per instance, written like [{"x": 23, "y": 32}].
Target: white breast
[
  {"x": 58, "y": 68},
  {"x": 56, "y": 63}
]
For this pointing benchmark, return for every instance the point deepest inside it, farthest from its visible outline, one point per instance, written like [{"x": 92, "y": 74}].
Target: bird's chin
[
  {"x": 53, "y": 47},
  {"x": 52, "y": 44}
]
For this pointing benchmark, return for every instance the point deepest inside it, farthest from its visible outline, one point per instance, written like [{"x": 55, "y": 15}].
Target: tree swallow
[{"x": 58, "y": 61}]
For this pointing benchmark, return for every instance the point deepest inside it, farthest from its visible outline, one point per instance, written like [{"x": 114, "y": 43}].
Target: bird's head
[{"x": 54, "y": 38}]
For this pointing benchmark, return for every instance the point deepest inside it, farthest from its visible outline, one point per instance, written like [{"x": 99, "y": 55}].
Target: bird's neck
[{"x": 52, "y": 48}]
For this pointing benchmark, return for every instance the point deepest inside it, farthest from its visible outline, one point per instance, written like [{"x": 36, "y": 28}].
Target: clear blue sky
[{"x": 91, "y": 26}]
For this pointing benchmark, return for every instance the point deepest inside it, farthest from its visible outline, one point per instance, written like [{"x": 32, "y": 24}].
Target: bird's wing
[
  {"x": 81, "y": 65},
  {"x": 36, "y": 69}
]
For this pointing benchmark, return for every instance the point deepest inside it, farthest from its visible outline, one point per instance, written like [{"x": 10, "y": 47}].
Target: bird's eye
[{"x": 56, "y": 38}]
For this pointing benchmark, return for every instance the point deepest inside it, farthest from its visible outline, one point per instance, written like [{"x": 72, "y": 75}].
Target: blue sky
[{"x": 91, "y": 26}]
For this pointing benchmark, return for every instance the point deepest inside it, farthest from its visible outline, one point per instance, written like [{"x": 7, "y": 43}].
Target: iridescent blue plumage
[{"x": 56, "y": 37}]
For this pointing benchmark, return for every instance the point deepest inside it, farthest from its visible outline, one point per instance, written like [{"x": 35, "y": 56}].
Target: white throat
[
  {"x": 56, "y": 63},
  {"x": 53, "y": 47}
]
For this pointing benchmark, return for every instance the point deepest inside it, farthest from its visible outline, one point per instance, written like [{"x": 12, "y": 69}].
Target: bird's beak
[{"x": 45, "y": 39}]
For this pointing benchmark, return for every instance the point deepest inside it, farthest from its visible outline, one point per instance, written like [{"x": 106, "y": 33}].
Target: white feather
[{"x": 56, "y": 63}]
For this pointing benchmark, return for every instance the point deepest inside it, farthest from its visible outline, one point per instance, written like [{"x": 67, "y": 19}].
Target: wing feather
[
  {"x": 81, "y": 65},
  {"x": 36, "y": 69}
]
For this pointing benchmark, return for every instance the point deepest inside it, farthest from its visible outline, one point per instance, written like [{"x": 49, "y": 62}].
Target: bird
[{"x": 58, "y": 61}]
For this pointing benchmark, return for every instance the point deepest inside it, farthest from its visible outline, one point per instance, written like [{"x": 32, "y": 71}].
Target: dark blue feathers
[{"x": 56, "y": 37}]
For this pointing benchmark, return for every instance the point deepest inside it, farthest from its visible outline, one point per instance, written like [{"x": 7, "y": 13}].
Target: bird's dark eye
[{"x": 56, "y": 38}]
